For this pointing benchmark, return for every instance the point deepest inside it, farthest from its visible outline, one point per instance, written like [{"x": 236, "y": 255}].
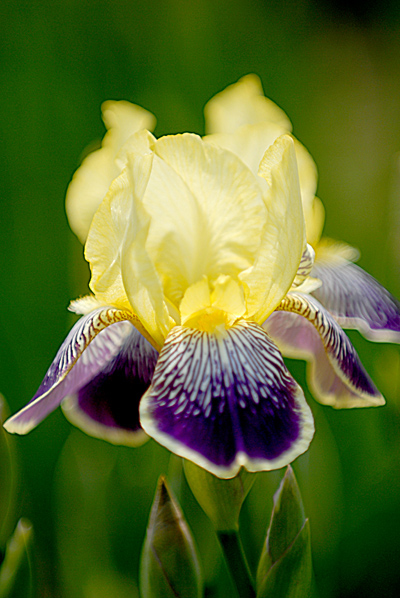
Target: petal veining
[
  {"x": 107, "y": 406},
  {"x": 338, "y": 377},
  {"x": 226, "y": 400},
  {"x": 81, "y": 356}
]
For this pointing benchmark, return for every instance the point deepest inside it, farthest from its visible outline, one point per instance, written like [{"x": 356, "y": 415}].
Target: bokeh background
[{"x": 334, "y": 67}]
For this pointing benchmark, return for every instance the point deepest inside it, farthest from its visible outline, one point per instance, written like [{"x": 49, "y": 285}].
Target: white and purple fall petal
[
  {"x": 304, "y": 329},
  {"x": 226, "y": 400},
  {"x": 98, "y": 375},
  {"x": 357, "y": 300}
]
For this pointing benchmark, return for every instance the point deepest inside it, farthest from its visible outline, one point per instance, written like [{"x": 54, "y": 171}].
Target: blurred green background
[{"x": 335, "y": 69}]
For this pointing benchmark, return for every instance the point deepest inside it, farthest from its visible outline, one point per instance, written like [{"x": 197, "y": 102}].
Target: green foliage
[
  {"x": 169, "y": 565},
  {"x": 14, "y": 543},
  {"x": 7, "y": 476},
  {"x": 15, "y": 554},
  {"x": 285, "y": 568}
]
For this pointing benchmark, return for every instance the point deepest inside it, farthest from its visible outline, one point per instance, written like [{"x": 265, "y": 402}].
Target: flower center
[{"x": 210, "y": 319}]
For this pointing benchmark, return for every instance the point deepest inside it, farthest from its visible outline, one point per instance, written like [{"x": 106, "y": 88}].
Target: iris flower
[
  {"x": 242, "y": 120},
  {"x": 192, "y": 254}
]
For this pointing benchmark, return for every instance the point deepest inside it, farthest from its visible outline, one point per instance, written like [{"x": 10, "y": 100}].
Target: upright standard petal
[
  {"x": 283, "y": 237},
  {"x": 303, "y": 329},
  {"x": 314, "y": 216},
  {"x": 250, "y": 142},
  {"x": 79, "y": 359},
  {"x": 93, "y": 178},
  {"x": 226, "y": 400},
  {"x": 242, "y": 103},
  {"x": 356, "y": 299},
  {"x": 200, "y": 219},
  {"x": 230, "y": 208},
  {"x": 116, "y": 222}
]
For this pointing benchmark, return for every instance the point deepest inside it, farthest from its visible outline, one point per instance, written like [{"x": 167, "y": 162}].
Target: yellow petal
[
  {"x": 242, "y": 103},
  {"x": 207, "y": 310},
  {"x": 283, "y": 239},
  {"x": 139, "y": 275},
  {"x": 104, "y": 243},
  {"x": 108, "y": 231},
  {"x": 122, "y": 120},
  {"x": 207, "y": 213},
  {"x": 196, "y": 299},
  {"x": 229, "y": 297},
  {"x": 314, "y": 215},
  {"x": 335, "y": 252},
  {"x": 308, "y": 174},
  {"x": 248, "y": 142},
  {"x": 93, "y": 178},
  {"x": 84, "y": 305}
]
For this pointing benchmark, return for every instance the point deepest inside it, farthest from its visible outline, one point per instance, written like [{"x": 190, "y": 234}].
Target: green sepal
[
  {"x": 169, "y": 564},
  {"x": 220, "y": 499},
  {"x": 285, "y": 567},
  {"x": 16, "y": 550}
]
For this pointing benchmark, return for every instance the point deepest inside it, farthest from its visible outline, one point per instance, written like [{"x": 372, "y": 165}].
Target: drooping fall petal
[
  {"x": 357, "y": 300},
  {"x": 226, "y": 400},
  {"x": 80, "y": 358},
  {"x": 304, "y": 329},
  {"x": 107, "y": 406}
]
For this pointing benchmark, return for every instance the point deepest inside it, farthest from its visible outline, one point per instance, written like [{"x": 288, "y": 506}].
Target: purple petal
[
  {"x": 79, "y": 359},
  {"x": 358, "y": 301},
  {"x": 107, "y": 406},
  {"x": 226, "y": 400},
  {"x": 306, "y": 330}
]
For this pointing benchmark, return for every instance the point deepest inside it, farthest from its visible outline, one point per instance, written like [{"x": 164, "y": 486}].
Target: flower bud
[
  {"x": 285, "y": 568},
  {"x": 169, "y": 564}
]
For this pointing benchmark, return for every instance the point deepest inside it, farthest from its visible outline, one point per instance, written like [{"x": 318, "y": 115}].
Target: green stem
[{"x": 237, "y": 563}]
